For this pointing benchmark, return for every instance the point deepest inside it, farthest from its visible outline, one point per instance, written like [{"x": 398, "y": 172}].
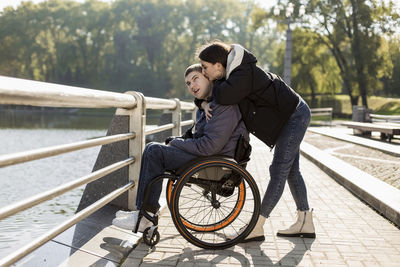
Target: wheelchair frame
[{"x": 214, "y": 195}]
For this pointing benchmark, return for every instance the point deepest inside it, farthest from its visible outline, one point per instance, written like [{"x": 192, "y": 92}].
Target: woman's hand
[{"x": 207, "y": 109}]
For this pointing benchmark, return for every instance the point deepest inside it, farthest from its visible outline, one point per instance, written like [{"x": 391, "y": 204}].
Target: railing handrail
[
  {"x": 55, "y": 192},
  {"x": 395, "y": 119},
  {"x": 379, "y": 116},
  {"x": 17, "y": 91},
  {"x": 21, "y": 252},
  {"x": 14, "y": 91},
  {"x": 34, "y": 154},
  {"x": 322, "y": 109},
  {"x": 160, "y": 128}
]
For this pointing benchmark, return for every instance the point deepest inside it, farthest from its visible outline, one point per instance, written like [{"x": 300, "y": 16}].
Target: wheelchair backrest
[{"x": 243, "y": 150}]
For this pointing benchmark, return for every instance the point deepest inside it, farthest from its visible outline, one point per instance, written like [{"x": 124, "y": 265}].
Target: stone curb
[
  {"x": 388, "y": 148},
  {"x": 380, "y": 195}
]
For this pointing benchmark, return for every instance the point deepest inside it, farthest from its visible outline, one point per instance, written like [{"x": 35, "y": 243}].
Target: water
[
  {"x": 27, "y": 179},
  {"x": 65, "y": 118}
]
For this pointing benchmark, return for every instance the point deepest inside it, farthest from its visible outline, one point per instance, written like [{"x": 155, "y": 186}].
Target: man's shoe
[
  {"x": 256, "y": 235},
  {"x": 122, "y": 213},
  {"x": 303, "y": 227},
  {"x": 129, "y": 222}
]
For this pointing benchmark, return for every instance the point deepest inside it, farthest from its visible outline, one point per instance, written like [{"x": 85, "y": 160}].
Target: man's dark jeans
[{"x": 156, "y": 159}]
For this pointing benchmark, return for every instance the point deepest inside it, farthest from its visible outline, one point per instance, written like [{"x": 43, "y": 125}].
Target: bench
[
  {"x": 385, "y": 118},
  {"x": 387, "y": 130},
  {"x": 316, "y": 112}
]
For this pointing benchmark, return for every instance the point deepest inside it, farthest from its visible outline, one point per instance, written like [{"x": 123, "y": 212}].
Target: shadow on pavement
[{"x": 253, "y": 255}]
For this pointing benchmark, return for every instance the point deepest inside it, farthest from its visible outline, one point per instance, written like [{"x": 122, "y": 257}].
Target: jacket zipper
[{"x": 304, "y": 221}]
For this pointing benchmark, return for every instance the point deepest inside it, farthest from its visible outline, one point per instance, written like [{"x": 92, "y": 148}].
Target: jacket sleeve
[
  {"x": 235, "y": 88},
  {"x": 217, "y": 133},
  {"x": 198, "y": 102}
]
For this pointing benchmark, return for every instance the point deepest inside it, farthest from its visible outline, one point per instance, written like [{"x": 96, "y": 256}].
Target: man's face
[{"x": 199, "y": 86}]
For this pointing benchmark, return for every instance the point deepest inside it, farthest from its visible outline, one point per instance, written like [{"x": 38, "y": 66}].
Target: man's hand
[
  {"x": 169, "y": 139},
  {"x": 207, "y": 109},
  {"x": 188, "y": 133}
]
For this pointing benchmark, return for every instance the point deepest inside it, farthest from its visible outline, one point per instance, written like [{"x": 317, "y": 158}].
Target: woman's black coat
[{"x": 265, "y": 100}]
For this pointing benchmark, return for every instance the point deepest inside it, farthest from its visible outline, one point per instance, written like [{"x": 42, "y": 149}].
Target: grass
[
  {"x": 342, "y": 107},
  {"x": 385, "y": 106}
]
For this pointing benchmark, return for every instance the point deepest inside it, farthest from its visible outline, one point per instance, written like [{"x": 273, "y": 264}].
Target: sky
[{"x": 15, "y": 3}]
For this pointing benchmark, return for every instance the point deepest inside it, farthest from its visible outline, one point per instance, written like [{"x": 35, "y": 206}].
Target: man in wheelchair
[{"x": 220, "y": 135}]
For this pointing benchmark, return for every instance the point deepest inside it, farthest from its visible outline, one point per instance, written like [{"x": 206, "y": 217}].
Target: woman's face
[{"x": 213, "y": 71}]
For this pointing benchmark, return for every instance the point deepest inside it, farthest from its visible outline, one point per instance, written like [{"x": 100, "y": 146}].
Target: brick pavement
[{"x": 349, "y": 233}]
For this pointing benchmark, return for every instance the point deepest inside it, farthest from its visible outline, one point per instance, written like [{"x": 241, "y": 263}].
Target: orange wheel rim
[{"x": 238, "y": 207}]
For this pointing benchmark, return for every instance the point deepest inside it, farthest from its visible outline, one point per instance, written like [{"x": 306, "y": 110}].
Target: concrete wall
[{"x": 110, "y": 154}]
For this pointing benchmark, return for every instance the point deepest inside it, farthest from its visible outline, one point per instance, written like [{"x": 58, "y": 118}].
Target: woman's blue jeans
[
  {"x": 156, "y": 159},
  {"x": 285, "y": 163}
]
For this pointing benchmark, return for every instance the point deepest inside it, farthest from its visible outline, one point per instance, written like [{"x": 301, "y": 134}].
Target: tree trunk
[
  {"x": 358, "y": 56},
  {"x": 353, "y": 100}
]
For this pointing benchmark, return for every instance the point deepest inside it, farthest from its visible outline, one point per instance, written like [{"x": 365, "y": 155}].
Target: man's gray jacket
[{"x": 218, "y": 136}]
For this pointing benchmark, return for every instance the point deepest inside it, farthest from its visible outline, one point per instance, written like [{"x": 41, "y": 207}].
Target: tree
[
  {"x": 391, "y": 80},
  {"x": 350, "y": 29},
  {"x": 146, "y": 45},
  {"x": 18, "y": 51},
  {"x": 314, "y": 68}
]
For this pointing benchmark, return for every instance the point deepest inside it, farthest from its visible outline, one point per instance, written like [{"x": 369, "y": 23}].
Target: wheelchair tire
[
  {"x": 151, "y": 241},
  {"x": 204, "y": 217}
]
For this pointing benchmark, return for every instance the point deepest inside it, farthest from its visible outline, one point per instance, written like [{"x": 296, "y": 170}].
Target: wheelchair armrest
[{"x": 243, "y": 162}]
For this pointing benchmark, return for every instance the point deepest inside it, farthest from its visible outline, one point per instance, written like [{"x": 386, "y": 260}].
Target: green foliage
[
  {"x": 127, "y": 45},
  {"x": 351, "y": 30},
  {"x": 385, "y": 106},
  {"x": 342, "y": 107},
  {"x": 314, "y": 69},
  {"x": 391, "y": 79},
  {"x": 146, "y": 45}
]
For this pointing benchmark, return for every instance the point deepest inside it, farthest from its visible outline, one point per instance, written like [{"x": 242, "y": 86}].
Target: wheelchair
[{"x": 210, "y": 199}]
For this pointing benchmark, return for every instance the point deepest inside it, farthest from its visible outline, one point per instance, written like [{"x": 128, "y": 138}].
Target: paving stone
[
  {"x": 132, "y": 262},
  {"x": 155, "y": 256},
  {"x": 349, "y": 233}
]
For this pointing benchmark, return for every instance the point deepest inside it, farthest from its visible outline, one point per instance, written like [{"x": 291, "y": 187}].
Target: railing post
[
  {"x": 137, "y": 124},
  {"x": 194, "y": 111},
  {"x": 177, "y": 118}
]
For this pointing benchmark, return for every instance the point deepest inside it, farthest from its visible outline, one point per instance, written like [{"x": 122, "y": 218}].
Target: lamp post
[{"x": 287, "y": 66}]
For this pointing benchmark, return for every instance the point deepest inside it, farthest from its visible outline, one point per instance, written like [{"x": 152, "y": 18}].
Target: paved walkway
[
  {"x": 346, "y": 134},
  {"x": 349, "y": 233}
]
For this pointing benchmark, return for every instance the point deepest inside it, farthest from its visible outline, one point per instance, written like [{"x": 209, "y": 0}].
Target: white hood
[{"x": 235, "y": 58}]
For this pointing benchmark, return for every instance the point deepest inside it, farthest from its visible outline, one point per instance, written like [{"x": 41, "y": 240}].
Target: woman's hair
[
  {"x": 213, "y": 52},
  {"x": 195, "y": 67}
]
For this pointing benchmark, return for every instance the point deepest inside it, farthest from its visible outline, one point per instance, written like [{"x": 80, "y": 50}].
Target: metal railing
[
  {"x": 322, "y": 112},
  {"x": 25, "y": 92},
  {"x": 385, "y": 118}
]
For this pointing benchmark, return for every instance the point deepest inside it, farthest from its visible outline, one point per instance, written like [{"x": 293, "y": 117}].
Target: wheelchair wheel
[
  {"x": 237, "y": 199},
  {"x": 168, "y": 194},
  {"x": 151, "y": 240},
  {"x": 205, "y": 213}
]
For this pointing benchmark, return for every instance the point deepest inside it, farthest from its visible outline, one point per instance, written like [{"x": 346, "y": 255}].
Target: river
[{"x": 27, "y": 179}]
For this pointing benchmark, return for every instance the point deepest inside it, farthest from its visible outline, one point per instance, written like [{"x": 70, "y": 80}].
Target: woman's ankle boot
[
  {"x": 258, "y": 232},
  {"x": 303, "y": 227}
]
